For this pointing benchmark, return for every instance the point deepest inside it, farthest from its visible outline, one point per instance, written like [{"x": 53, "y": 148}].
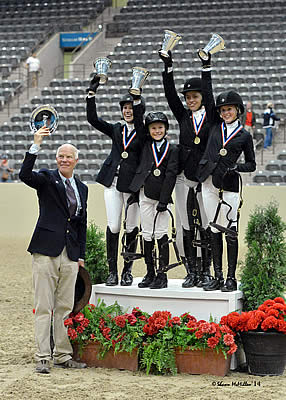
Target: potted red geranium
[
  {"x": 105, "y": 336},
  {"x": 263, "y": 335},
  {"x": 184, "y": 344}
]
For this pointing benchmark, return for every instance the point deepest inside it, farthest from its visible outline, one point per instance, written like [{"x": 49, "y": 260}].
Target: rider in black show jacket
[
  {"x": 219, "y": 169},
  {"x": 117, "y": 173},
  {"x": 190, "y": 155}
]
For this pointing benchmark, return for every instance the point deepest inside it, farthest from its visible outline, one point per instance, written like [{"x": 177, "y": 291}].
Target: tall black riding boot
[
  {"x": 205, "y": 276},
  {"x": 161, "y": 280},
  {"x": 217, "y": 249},
  {"x": 131, "y": 244},
  {"x": 150, "y": 276},
  {"x": 112, "y": 253},
  {"x": 232, "y": 254},
  {"x": 191, "y": 259}
]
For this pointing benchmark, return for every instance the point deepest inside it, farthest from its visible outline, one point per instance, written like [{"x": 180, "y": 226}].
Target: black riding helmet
[
  {"x": 127, "y": 98},
  {"x": 156, "y": 117},
  {"x": 230, "y": 98},
  {"x": 194, "y": 84}
]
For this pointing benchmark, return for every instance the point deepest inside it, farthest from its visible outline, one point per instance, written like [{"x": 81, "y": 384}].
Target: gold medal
[
  {"x": 124, "y": 154},
  {"x": 223, "y": 152},
  {"x": 197, "y": 140},
  {"x": 157, "y": 172}
]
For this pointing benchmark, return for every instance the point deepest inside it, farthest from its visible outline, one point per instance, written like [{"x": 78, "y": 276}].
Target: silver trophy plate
[{"x": 45, "y": 115}]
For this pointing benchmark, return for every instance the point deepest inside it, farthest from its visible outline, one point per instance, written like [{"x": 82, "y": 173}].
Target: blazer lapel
[{"x": 61, "y": 189}]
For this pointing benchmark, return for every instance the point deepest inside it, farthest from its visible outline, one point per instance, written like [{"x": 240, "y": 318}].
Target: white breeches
[
  {"x": 114, "y": 202},
  {"x": 147, "y": 213},
  {"x": 210, "y": 196}
]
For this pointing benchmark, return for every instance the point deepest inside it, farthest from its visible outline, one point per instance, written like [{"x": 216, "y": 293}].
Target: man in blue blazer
[{"x": 57, "y": 247}]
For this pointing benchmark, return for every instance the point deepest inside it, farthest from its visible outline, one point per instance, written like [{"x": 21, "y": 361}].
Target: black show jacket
[
  {"x": 114, "y": 163},
  {"x": 190, "y": 153},
  {"x": 212, "y": 163}
]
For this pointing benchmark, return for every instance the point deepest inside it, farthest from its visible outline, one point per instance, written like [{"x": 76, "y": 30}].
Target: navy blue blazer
[{"x": 55, "y": 229}]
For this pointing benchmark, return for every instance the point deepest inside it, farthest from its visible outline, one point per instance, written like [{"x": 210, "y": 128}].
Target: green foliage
[
  {"x": 95, "y": 259},
  {"x": 158, "y": 355},
  {"x": 264, "y": 270}
]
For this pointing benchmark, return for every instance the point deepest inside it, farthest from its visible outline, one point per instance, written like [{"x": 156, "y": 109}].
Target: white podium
[{"x": 175, "y": 299}]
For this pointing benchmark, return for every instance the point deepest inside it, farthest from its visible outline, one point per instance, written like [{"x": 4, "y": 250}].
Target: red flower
[
  {"x": 80, "y": 329},
  {"x": 212, "y": 342},
  {"x": 232, "y": 349},
  {"x": 174, "y": 321},
  {"x": 199, "y": 334},
  {"x": 269, "y": 302},
  {"x": 269, "y": 323},
  {"x": 68, "y": 322},
  {"x": 120, "y": 321},
  {"x": 79, "y": 317},
  {"x": 85, "y": 322},
  {"x": 228, "y": 339},
  {"x": 92, "y": 336},
  {"x": 279, "y": 300},
  {"x": 72, "y": 333}
]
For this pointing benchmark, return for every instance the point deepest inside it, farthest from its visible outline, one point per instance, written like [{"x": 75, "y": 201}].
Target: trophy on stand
[
  {"x": 138, "y": 78},
  {"x": 45, "y": 115},
  {"x": 101, "y": 66},
  {"x": 215, "y": 44},
  {"x": 169, "y": 41}
]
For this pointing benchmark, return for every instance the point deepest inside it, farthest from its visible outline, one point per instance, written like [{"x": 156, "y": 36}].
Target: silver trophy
[
  {"x": 169, "y": 41},
  {"x": 45, "y": 115},
  {"x": 215, "y": 44},
  {"x": 101, "y": 66},
  {"x": 138, "y": 78}
]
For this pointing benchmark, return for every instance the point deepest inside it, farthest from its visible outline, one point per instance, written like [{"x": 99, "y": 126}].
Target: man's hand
[
  {"x": 39, "y": 135},
  {"x": 80, "y": 263}
]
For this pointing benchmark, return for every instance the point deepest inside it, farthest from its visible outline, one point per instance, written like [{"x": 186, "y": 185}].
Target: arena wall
[{"x": 19, "y": 208}]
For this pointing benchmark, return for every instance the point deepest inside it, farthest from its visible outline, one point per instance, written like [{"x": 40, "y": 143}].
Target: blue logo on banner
[{"x": 74, "y": 39}]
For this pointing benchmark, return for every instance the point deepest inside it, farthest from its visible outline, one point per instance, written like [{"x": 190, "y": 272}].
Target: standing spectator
[
  {"x": 5, "y": 169},
  {"x": 33, "y": 65},
  {"x": 58, "y": 249},
  {"x": 269, "y": 119},
  {"x": 248, "y": 119}
]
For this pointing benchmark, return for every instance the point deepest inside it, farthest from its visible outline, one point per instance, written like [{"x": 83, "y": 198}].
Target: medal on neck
[
  {"x": 158, "y": 162},
  {"x": 126, "y": 143},
  {"x": 223, "y": 151},
  {"x": 198, "y": 127}
]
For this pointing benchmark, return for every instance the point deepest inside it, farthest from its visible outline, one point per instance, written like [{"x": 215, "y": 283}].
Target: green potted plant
[
  {"x": 105, "y": 336},
  {"x": 184, "y": 344},
  {"x": 95, "y": 257},
  {"x": 264, "y": 270},
  {"x": 263, "y": 334}
]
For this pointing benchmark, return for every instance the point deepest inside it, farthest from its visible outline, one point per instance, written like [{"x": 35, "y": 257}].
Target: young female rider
[
  {"x": 194, "y": 133},
  {"x": 219, "y": 171},
  {"x": 116, "y": 175}
]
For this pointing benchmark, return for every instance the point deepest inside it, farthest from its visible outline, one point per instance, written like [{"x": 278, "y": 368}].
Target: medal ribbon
[
  {"x": 197, "y": 127},
  {"x": 231, "y": 136},
  {"x": 158, "y": 162},
  {"x": 127, "y": 143}
]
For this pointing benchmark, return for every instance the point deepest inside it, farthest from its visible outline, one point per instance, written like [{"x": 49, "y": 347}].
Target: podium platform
[{"x": 175, "y": 299}]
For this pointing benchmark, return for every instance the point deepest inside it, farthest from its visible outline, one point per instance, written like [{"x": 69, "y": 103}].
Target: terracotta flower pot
[
  {"x": 91, "y": 350},
  {"x": 265, "y": 352},
  {"x": 206, "y": 361}
]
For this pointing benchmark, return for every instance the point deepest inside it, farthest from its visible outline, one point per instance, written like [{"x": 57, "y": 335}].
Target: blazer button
[
  {"x": 69, "y": 219},
  {"x": 68, "y": 231}
]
